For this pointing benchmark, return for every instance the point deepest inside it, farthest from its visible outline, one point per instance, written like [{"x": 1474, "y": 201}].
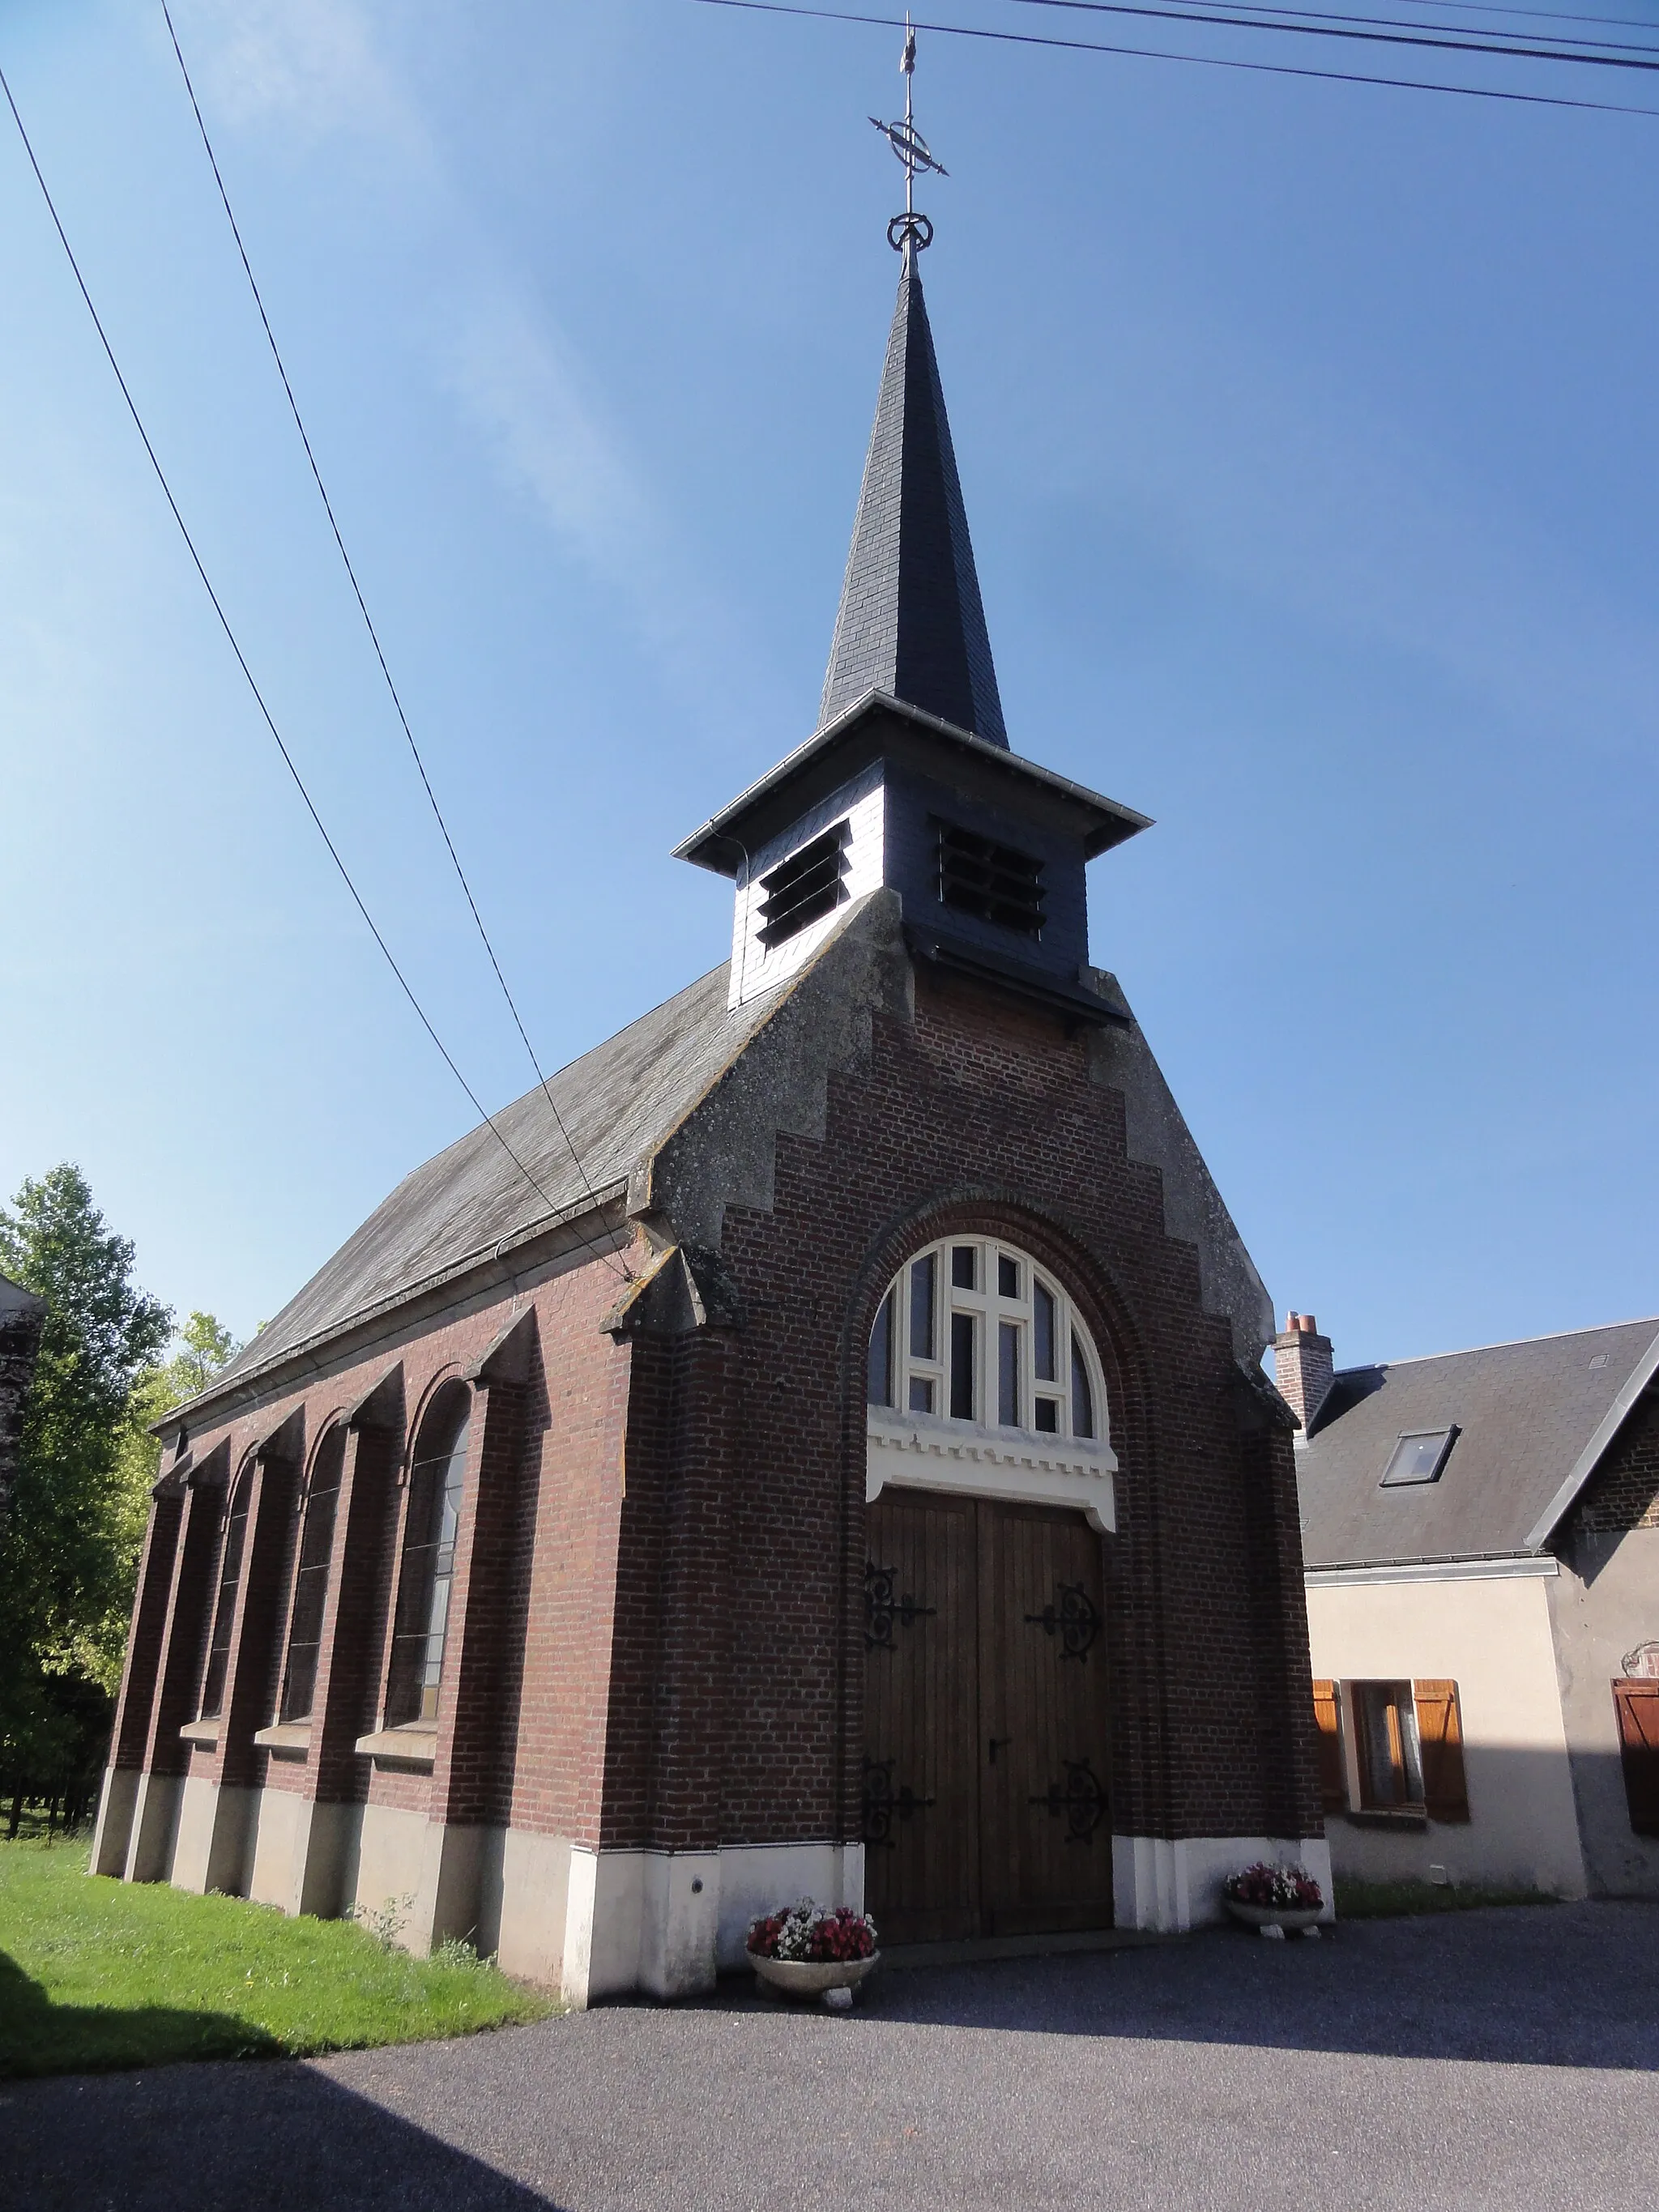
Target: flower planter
[
  {"x": 1264, "y": 1917},
  {"x": 812, "y": 1978}
]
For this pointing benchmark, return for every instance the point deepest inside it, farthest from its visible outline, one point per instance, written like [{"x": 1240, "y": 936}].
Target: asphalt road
[{"x": 1487, "y": 2059}]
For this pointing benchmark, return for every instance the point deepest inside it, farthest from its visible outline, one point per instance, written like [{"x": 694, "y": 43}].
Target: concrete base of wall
[
  {"x": 1463, "y": 1852},
  {"x": 591, "y": 1924},
  {"x": 300, "y": 1851},
  {"x": 1172, "y": 1886},
  {"x": 214, "y": 1841},
  {"x": 667, "y": 1923},
  {"x": 155, "y": 1823},
  {"x": 116, "y": 1802}
]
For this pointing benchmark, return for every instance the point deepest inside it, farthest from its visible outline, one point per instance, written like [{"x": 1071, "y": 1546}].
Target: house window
[
  {"x": 305, "y": 1632},
  {"x": 1408, "y": 1743},
  {"x": 804, "y": 887},
  {"x": 973, "y": 1330},
  {"x": 231, "y": 1544},
  {"x": 1390, "y": 1763},
  {"x": 430, "y": 1529},
  {"x": 1419, "y": 1455},
  {"x": 1635, "y": 1703},
  {"x": 994, "y": 883}
]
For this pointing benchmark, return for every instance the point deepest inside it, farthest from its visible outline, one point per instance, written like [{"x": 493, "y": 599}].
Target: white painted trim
[
  {"x": 1584, "y": 1466},
  {"x": 668, "y": 1922},
  {"x": 580, "y": 1897},
  {"x": 920, "y": 1454},
  {"x": 1530, "y": 1566},
  {"x": 757, "y": 968},
  {"x": 1169, "y": 1886}
]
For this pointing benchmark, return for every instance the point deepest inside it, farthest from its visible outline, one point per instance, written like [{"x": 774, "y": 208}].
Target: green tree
[{"x": 67, "y": 1546}]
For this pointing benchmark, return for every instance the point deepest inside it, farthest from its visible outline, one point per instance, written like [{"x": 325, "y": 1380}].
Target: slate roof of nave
[{"x": 617, "y": 1102}]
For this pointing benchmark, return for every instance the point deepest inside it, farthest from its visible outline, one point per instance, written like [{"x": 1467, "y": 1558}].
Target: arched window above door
[
  {"x": 973, "y": 1329},
  {"x": 982, "y": 1376}
]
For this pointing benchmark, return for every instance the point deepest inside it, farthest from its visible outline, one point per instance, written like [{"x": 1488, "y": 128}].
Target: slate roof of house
[
  {"x": 911, "y": 622},
  {"x": 617, "y": 1102},
  {"x": 1534, "y": 1419}
]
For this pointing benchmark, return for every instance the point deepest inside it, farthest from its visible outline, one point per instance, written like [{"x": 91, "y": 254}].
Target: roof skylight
[{"x": 1419, "y": 1457}]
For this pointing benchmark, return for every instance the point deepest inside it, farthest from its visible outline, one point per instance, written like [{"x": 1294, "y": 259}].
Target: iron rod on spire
[{"x": 908, "y": 234}]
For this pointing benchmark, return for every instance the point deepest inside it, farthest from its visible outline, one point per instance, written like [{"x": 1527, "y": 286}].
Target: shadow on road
[
  {"x": 1561, "y": 1985},
  {"x": 282, "y": 2137}
]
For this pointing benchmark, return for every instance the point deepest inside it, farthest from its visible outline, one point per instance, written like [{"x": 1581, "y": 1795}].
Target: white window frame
[{"x": 924, "y": 1447}]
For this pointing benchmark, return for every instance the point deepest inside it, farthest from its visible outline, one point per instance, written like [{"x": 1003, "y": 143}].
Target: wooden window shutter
[
  {"x": 1440, "y": 1739},
  {"x": 1636, "y": 1701},
  {"x": 1332, "y": 1781}
]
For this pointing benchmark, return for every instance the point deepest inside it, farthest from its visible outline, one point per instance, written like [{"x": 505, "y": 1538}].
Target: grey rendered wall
[{"x": 1603, "y": 1605}]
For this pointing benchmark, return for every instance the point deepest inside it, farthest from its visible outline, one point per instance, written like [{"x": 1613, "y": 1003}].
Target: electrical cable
[
  {"x": 1534, "y": 15},
  {"x": 241, "y": 660},
  {"x": 1195, "y": 61},
  {"x": 362, "y": 609},
  {"x": 1320, "y": 16},
  {"x": 1329, "y": 30}
]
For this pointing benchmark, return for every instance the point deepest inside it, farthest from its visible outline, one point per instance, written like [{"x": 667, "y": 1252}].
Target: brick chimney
[{"x": 1304, "y": 1366}]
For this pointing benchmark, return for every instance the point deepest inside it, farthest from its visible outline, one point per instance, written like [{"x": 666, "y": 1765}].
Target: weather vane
[{"x": 909, "y": 232}]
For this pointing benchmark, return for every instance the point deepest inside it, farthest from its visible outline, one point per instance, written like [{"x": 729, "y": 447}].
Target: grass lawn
[
  {"x": 96, "y": 1973},
  {"x": 1386, "y": 1900}
]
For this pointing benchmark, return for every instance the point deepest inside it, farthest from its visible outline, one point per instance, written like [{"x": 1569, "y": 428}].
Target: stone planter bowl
[
  {"x": 1293, "y": 1921},
  {"x": 812, "y": 1977}
]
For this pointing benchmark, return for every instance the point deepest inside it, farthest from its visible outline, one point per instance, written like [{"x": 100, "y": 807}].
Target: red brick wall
[
  {"x": 1625, "y": 1491},
  {"x": 981, "y": 1118},
  {"x": 655, "y": 1629},
  {"x": 547, "y": 1463}
]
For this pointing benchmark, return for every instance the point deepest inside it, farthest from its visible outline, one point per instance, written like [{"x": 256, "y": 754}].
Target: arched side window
[
  {"x": 430, "y": 1527},
  {"x": 231, "y": 1544},
  {"x": 973, "y": 1329},
  {"x": 305, "y": 1632}
]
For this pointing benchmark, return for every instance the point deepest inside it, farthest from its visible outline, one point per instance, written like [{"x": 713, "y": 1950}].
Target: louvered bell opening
[
  {"x": 804, "y": 887},
  {"x": 991, "y": 882}
]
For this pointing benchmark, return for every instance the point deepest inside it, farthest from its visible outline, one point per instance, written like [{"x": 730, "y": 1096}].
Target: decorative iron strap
[
  {"x": 882, "y": 1608},
  {"x": 883, "y": 1804},
  {"x": 1081, "y": 1798},
  {"x": 1072, "y": 1617}
]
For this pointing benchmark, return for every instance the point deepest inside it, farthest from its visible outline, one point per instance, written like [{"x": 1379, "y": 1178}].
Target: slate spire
[{"x": 910, "y": 622}]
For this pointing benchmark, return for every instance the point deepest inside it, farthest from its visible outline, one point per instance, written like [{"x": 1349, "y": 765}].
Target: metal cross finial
[{"x": 909, "y": 233}]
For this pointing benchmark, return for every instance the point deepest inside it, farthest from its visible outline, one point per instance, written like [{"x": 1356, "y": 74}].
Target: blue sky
[{"x": 1308, "y": 438}]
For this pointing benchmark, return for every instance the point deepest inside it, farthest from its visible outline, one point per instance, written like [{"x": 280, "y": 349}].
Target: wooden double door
[{"x": 986, "y": 1720}]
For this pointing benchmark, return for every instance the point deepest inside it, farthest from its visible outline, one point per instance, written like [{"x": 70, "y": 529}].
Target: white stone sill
[{"x": 411, "y": 1745}]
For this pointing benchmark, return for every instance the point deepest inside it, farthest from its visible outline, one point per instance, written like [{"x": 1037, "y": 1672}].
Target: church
[{"x": 815, "y": 1444}]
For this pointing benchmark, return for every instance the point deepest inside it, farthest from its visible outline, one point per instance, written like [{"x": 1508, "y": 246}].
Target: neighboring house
[
  {"x": 819, "y": 1444},
  {"x": 1482, "y": 1539}
]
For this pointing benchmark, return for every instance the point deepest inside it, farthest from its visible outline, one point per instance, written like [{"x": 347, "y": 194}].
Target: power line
[
  {"x": 1534, "y": 15},
  {"x": 1330, "y": 29},
  {"x": 1195, "y": 61},
  {"x": 1322, "y": 17},
  {"x": 241, "y": 659},
  {"x": 362, "y": 609}
]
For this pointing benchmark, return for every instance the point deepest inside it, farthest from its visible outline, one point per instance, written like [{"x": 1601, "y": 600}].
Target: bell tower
[{"x": 909, "y": 781}]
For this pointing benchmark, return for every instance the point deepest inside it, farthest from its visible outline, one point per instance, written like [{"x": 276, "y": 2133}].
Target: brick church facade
[{"x": 816, "y": 1445}]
